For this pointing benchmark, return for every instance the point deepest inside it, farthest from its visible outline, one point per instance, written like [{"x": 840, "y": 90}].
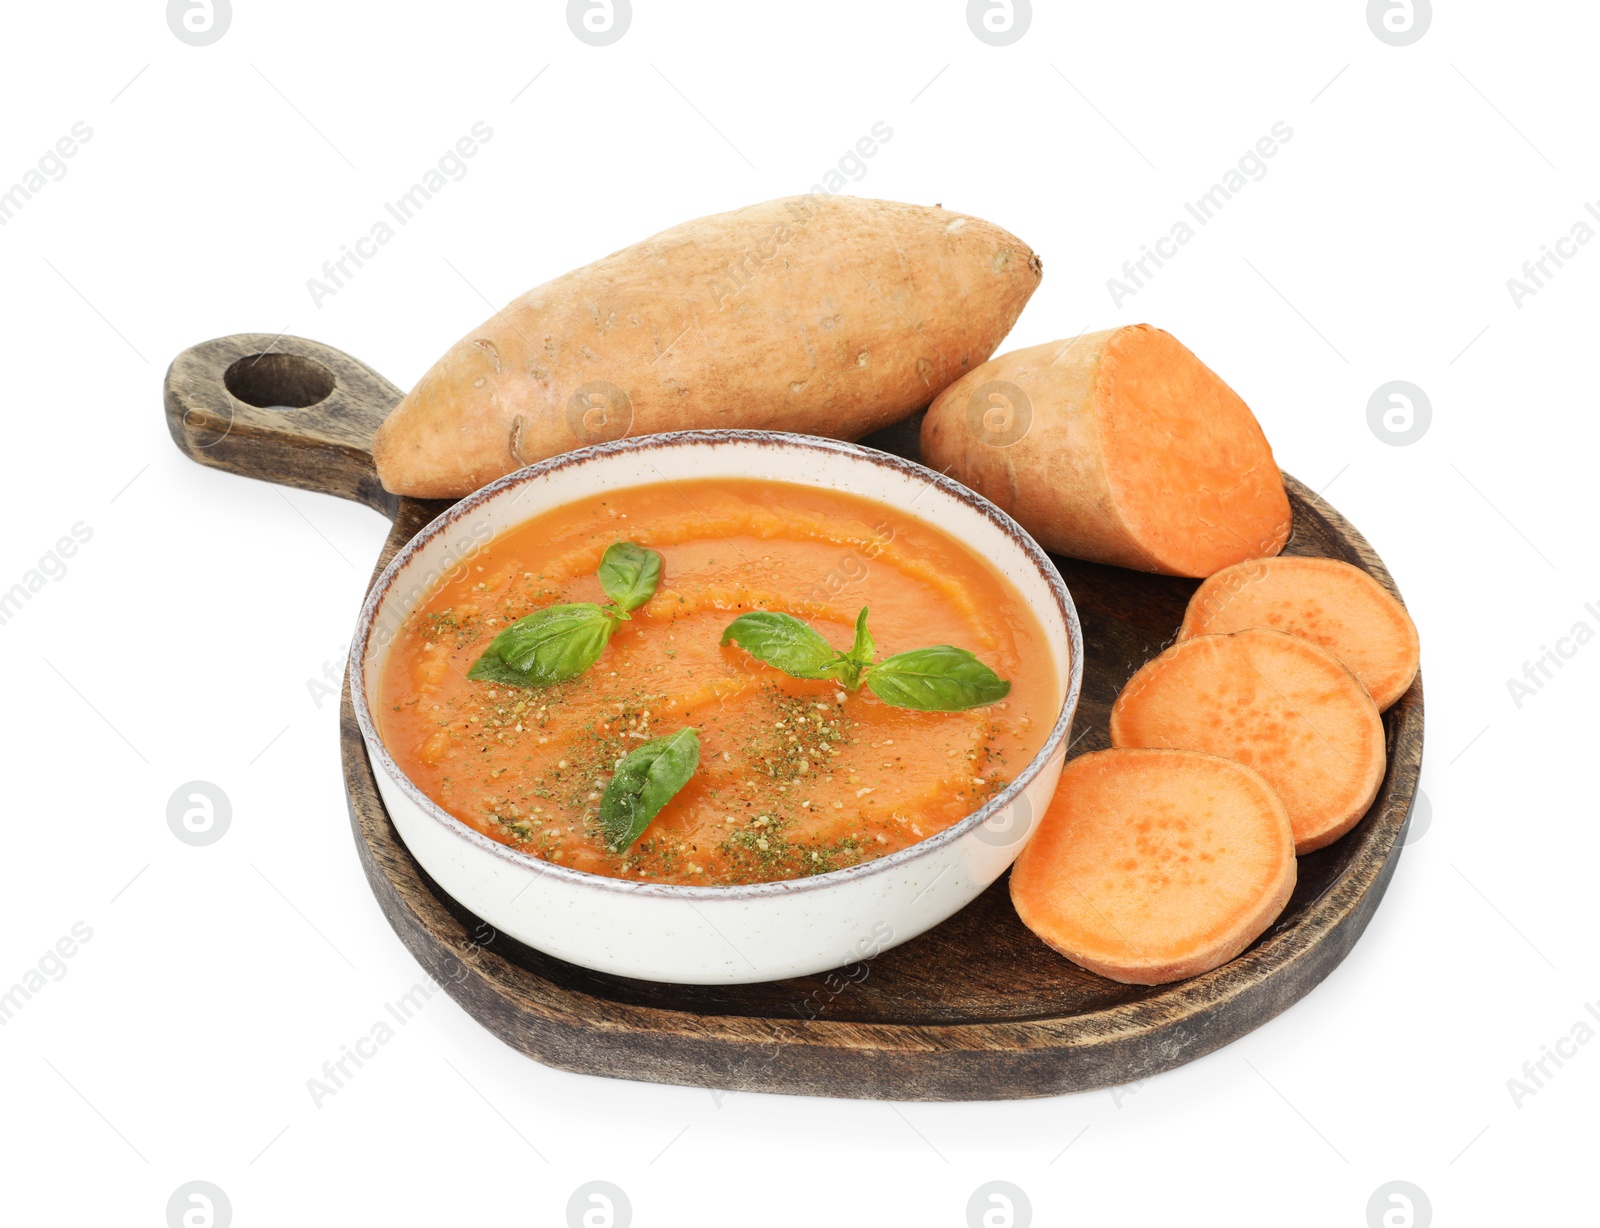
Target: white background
[{"x": 180, "y": 642}]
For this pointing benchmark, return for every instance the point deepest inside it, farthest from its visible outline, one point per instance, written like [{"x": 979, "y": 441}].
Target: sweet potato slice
[
  {"x": 1271, "y": 701},
  {"x": 1118, "y": 447},
  {"x": 1154, "y": 865},
  {"x": 1332, "y": 604}
]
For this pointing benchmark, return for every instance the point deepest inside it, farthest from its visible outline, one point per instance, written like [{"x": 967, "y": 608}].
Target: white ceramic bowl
[{"x": 719, "y": 935}]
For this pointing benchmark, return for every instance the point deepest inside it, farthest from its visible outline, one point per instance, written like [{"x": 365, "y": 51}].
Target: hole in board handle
[{"x": 278, "y": 381}]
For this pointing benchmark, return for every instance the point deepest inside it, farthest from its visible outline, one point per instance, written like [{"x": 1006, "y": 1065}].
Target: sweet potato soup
[{"x": 795, "y": 776}]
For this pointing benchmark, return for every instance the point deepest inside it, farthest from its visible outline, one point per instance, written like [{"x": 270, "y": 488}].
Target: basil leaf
[
  {"x": 784, "y": 642},
  {"x": 629, "y": 573},
  {"x": 938, "y": 679},
  {"x": 646, "y": 780},
  {"x": 490, "y": 668},
  {"x": 549, "y": 645},
  {"x": 864, "y": 649}
]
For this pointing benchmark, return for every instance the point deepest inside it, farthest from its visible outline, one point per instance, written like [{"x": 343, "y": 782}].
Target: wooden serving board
[{"x": 975, "y": 1009}]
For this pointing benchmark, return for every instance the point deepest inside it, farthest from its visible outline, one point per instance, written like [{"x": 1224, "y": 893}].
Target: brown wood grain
[{"x": 976, "y": 1008}]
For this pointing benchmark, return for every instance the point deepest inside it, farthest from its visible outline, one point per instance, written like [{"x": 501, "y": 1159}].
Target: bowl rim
[{"x": 1053, "y": 744}]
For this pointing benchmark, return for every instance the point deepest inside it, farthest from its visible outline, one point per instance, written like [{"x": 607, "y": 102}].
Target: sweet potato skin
[
  {"x": 1155, "y": 865},
  {"x": 1083, "y": 462},
  {"x": 1332, "y": 604},
  {"x": 831, "y": 316}
]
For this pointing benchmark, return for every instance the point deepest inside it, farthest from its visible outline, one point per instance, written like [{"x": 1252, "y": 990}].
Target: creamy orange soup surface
[{"x": 796, "y": 777}]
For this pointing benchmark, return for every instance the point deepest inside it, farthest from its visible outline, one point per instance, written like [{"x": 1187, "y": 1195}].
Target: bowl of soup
[{"x": 824, "y": 820}]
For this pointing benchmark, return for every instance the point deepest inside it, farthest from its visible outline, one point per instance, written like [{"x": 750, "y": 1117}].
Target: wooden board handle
[{"x": 283, "y": 409}]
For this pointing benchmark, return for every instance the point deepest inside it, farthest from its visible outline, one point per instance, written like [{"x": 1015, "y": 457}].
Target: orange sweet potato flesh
[
  {"x": 1118, "y": 447},
  {"x": 822, "y": 315},
  {"x": 1155, "y": 865},
  {"x": 1332, "y": 604},
  {"x": 1274, "y": 702}
]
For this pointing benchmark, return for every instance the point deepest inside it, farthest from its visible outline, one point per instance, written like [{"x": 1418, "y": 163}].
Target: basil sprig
[
  {"x": 937, "y": 679},
  {"x": 646, "y": 780},
  {"x": 561, "y": 641}
]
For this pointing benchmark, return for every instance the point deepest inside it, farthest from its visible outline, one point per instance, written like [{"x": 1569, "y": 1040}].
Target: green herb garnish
[
  {"x": 783, "y": 641},
  {"x": 629, "y": 574},
  {"x": 937, "y": 679},
  {"x": 647, "y": 779},
  {"x": 561, "y": 641}
]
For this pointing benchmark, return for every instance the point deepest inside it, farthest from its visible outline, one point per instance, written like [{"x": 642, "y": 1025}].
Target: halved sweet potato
[
  {"x": 1154, "y": 865},
  {"x": 1119, "y": 447},
  {"x": 1274, "y": 702},
  {"x": 1332, "y": 604}
]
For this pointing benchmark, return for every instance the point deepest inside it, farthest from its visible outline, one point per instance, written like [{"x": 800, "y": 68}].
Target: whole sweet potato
[{"x": 823, "y": 315}]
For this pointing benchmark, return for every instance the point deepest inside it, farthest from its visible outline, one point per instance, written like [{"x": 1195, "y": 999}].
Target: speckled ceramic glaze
[{"x": 712, "y": 935}]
